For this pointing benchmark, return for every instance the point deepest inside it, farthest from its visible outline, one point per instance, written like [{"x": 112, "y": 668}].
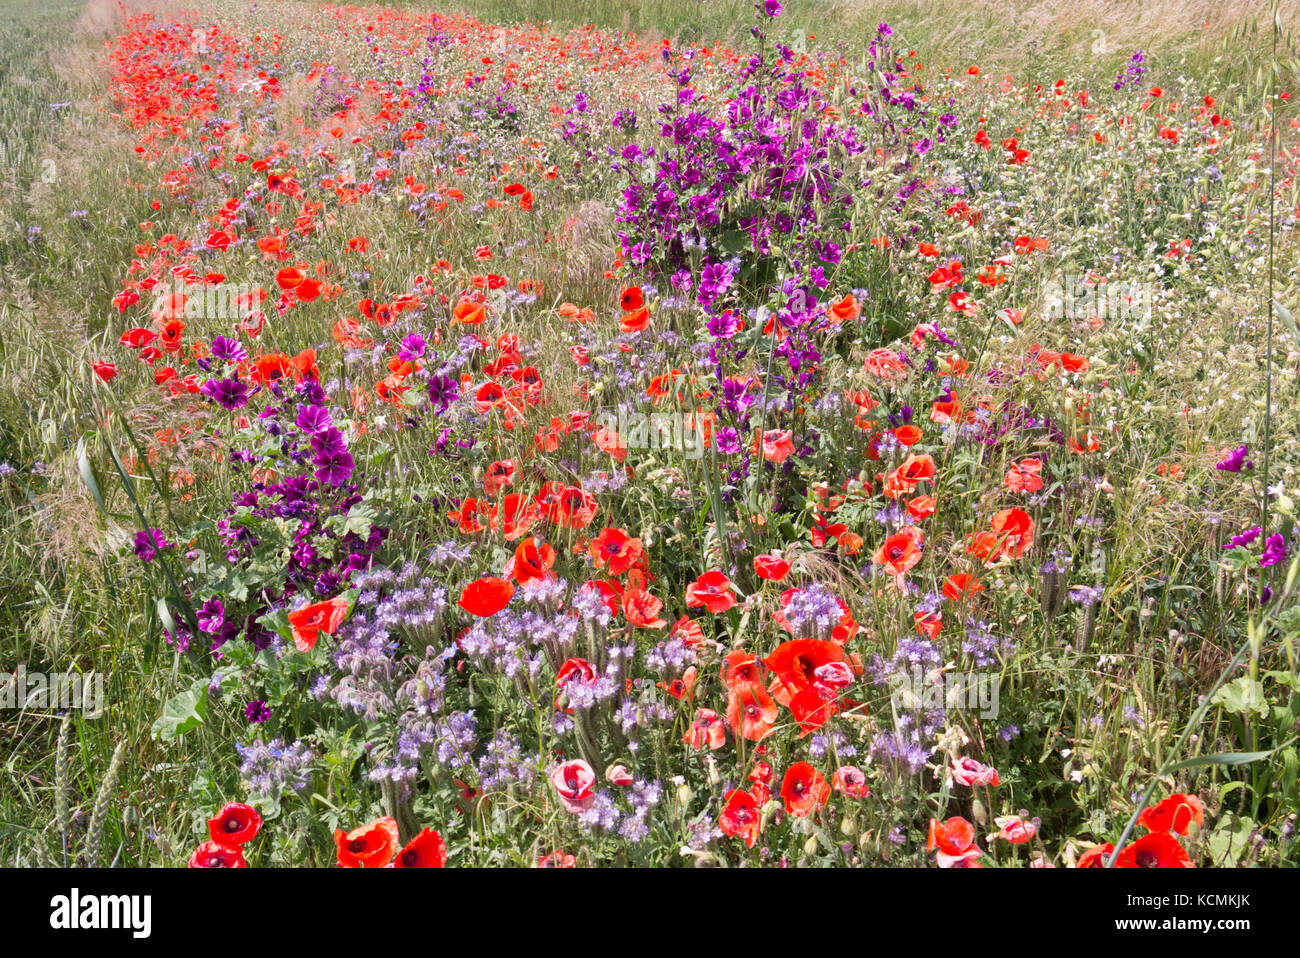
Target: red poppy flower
[
  {"x": 740, "y": 670},
  {"x": 1014, "y": 829},
  {"x": 740, "y": 817},
  {"x": 469, "y": 312},
  {"x": 370, "y": 846},
  {"x": 105, "y": 371},
  {"x": 961, "y": 585},
  {"x": 680, "y": 688},
  {"x": 234, "y": 825},
  {"x": 289, "y": 278},
  {"x": 707, "y": 731},
  {"x": 751, "y": 713},
  {"x": 900, "y": 552},
  {"x": 631, "y": 299},
  {"x": 516, "y": 515},
  {"x": 309, "y": 622},
  {"x": 955, "y": 842},
  {"x": 636, "y": 320},
  {"x": 570, "y": 507},
  {"x": 813, "y": 707},
  {"x": 1157, "y": 850},
  {"x": 533, "y": 561},
  {"x": 908, "y": 435},
  {"x": 211, "y": 855},
  {"x": 778, "y": 445},
  {"x": 486, "y": 597},
  {"x": 425, "y": 850},
  {"x": 795, "y": 663},
  {"x": 687, "y": 630},
  {"x": 711, "y": 590},
  {"x": 498, "y": 476},
  {"x": 615, "y": 548},
  {"x": 1015, "y": 531},
  {"x": 771, "y": 568},
  {"x": 1175, "y": 814},
  {"x": 1096, "y": 857},
  {"x": 845, "y": 310},
  {"x": 804, "y": 790},
  {"x": 642, "y": 609},
  {"x": 969, "y": 772}
]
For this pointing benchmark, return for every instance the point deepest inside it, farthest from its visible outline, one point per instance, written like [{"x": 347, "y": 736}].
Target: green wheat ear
[
  {"x": 61, "y": 810},
  {"x": 95, "y": 830}
]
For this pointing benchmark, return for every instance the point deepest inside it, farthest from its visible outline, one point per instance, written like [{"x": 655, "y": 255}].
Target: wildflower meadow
[{"x": 668, "y": 435}]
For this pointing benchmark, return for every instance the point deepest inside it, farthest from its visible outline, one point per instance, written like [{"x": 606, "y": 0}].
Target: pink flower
[
  {"x": 573, "y": 781},
  {"x": 1015, "y": 829},
  {"x": 618, "y": 775},
  {"x": 850, "y": 780},
  {"x": 967, "y": 771}
]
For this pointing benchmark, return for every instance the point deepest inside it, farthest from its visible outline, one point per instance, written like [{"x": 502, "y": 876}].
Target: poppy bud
[
  {"x": 848, "y": 826},
  {"x": 810, "y": 846},
  {"x": 978, "y": 812},
  {"x": 684, "y": 795}
]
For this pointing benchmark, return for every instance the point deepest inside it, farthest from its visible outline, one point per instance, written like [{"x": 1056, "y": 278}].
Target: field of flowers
[{"x": 449, "y": 439}]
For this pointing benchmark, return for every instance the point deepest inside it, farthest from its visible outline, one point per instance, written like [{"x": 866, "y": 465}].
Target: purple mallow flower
[
  {"x": 1235, "y": 461},
  {"x": 1274, "y": 550}
]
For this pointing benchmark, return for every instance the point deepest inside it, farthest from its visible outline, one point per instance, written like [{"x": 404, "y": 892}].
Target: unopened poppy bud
[
  {"x": 810, "y": 846},
  {"x": 978, "y": 812},
  {"x": 715, "y": 777},
  {"x": 848, "y": 826},
  {"x": 684, "y": 795}
]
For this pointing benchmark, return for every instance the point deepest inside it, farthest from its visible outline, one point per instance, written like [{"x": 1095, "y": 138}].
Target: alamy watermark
[
  {"x": 632, "y": 429},
  {"x": 21, "y": 689},
  {"x": 931, "y": 689},
  {"x": 1083, "y": 298},
  {"x": 230, "y": 301}
]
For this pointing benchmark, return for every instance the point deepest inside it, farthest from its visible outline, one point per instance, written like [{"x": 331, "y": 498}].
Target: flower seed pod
[
  {"x": 1087, "y": 624},
  {"x": 1221, "y": 578},
  {"x": 1051, "y": 593}
]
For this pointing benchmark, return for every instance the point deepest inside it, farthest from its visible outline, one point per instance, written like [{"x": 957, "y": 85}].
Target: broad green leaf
[
  {"x": 1242, "y": 696},
  {"x": 183, "y": 712}
]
